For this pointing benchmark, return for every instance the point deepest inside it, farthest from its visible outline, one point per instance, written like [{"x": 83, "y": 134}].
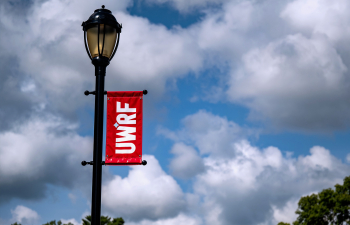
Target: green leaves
[
  {"x": 329, "y": 207},
  {"x": 53, "y": 222},
  {"x": 117, "y": 221},
  {"x": 87, "y": 220},
  {"x": 105, "y": 220}
]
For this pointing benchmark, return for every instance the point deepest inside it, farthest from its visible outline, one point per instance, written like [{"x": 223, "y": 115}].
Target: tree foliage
[
  {"x": 328, "y": 207},
  {"x": 105, "y": 220},
  {"x": 53, "y": 222}
]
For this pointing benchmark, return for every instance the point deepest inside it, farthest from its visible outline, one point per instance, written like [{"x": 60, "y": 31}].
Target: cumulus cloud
[
  {"x": 146, "y": 193},
  {"x": 186, "y": 163},
  {"x": 286, "y": 63},
  {"x": 292, "y": 78},
  {"x": 320, "y": 16},
  {"x": 45, "y": 73},
  {"x": 180, "y": 219},
  {"x": 149, "y": 55},
  {"x": 296, "y": 82},
  {"x": 188, "y": 6},
  {"x": 40, "y": 152},
  {"x": 24, "y": 215},
  {"x": 250, "y": 179},
  {"x": 287, "y": 213},
  {"x": 203, "y": 129},
  {"x": 262, "y": 181},
  {"x": 51, "y": 57},
  {"x": 51, "y": 65},
  {"x": 72, "y": 221},
  {"x": 223, "y": 32}
]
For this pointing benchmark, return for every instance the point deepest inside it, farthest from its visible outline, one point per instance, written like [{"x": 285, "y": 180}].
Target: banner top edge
[{"x": 124, "y": 93}]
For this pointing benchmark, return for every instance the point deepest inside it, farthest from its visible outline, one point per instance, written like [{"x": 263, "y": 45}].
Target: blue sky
[{"x": 247, "y": 109}]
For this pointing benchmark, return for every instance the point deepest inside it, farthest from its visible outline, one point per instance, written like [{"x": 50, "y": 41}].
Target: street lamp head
[{"x": 101, "y": 35}]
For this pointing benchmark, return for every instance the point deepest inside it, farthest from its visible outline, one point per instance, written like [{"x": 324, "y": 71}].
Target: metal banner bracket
[{"x": 92, "y": 92}]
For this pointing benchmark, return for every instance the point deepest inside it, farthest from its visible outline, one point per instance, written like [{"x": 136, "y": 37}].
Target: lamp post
[{"x": 101, "y": 37}]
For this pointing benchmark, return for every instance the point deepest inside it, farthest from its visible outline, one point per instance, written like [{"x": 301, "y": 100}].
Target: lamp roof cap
[{"x": 102, "y": 16}]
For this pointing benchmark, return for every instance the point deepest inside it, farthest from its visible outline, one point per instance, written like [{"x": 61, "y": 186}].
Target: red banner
[{"x": 124, "y": 128}]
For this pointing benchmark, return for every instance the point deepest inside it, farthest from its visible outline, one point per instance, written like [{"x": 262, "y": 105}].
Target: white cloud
[
  {"x": 180, "y": 219},
  {"x": 222, "y": 33},
  {"x": 330, "y": 18},
  {"x": 52, "y": 56},
  {"x": 189, "y": 5},
  {"x": 53, "y": 59},
  {"x": 319, "y": 158},
  {"x": 248, "y": 178},
  {"x": 204, "y": 129},
  {"x": 295, "y": 82},
  {"x": 293, "y": 78},
  {"x": 24, "y": 215},
  {"x": 39, "y": 147},
  {"x": 287, "y": 213},
  {"x": 151, "y": 54},
  {"x": 146, "y": 193},
  {"x": 306, "y": 87},
  {"x": 73, "y": 221},
  {"x": 186, "y": 163},
  {"x": 348, "y": 158},
  {"x": 262, "y": 181}
]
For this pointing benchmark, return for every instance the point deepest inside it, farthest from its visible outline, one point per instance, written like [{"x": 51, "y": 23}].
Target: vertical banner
[{"x": 124, "y": 128}]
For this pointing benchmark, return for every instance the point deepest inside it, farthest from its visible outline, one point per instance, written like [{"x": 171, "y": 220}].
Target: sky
[{"x": 247, "y": 109}]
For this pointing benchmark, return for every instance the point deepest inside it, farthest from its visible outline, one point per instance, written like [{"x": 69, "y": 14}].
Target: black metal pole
[{"x": 100, "y": 72}]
